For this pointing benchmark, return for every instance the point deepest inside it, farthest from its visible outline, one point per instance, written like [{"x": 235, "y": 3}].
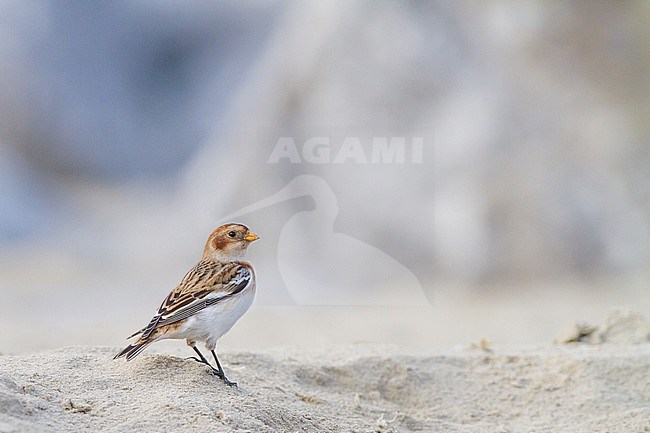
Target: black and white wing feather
[{"x": 206, "y": 284}]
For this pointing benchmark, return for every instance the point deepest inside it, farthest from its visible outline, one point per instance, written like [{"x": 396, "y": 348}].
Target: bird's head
[{"x": 228, "y": 242}]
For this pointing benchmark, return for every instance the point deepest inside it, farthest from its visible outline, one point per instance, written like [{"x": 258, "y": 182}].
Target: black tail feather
[
  {"x": 135, "y": 333},
  {"x": 133, "y": 350}
]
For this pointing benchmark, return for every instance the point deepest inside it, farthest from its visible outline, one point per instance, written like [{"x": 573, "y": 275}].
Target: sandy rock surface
[{"x": 361, "y": 388}]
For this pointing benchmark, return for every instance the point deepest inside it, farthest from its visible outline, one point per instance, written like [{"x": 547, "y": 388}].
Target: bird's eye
[{"x": 232, "y": 234}]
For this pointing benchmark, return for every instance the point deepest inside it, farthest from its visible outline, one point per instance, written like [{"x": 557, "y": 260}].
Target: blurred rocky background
[{"x": 128, "y": 130}]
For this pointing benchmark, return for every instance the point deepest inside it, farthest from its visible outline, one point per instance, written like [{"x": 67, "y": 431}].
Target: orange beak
[{"x": 250, "y": 237}]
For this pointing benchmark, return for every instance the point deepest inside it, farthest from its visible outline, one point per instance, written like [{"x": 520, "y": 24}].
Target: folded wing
[
  {"x": 203, "y": 286},
  {"x": 210, "y": 289}
]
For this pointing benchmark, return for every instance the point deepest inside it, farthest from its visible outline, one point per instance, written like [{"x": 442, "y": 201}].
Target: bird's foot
[
  {"x": 204, "y": 362},
  {"x": 229, "y": 382},
  {"x": 223, "y": 377},
  {"x": 214, "y": 371},
  {"x": 200, "y": 361}
]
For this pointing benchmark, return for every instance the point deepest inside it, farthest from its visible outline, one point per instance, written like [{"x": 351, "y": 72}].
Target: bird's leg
[
  {"x": 221, "y": 374},
  {"x": 203, "y": 360}
]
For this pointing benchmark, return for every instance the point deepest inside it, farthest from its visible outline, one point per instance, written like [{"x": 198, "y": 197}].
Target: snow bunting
[{"x": 208, "y": 301}]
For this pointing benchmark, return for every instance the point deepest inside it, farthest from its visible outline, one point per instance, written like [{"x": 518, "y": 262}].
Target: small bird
[{"x": 208, "y": 301}]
